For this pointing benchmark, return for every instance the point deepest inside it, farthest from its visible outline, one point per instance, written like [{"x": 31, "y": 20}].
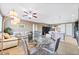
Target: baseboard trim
[{"x": 9, "y": 47}]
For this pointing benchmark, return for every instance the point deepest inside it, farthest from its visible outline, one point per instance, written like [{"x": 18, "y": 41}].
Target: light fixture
[
  {"x": 30, "y": 14},
  {"x": 12, "y": 13},
  {"x": 13, "y": 17},
  {"x": 15, "y": 21}
]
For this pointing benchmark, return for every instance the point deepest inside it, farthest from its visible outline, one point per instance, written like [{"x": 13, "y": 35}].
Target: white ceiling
[{"x": 50, "y": 13}]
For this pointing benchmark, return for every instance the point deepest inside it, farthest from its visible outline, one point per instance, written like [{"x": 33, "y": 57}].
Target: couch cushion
[{"x": 6, "y": 36}]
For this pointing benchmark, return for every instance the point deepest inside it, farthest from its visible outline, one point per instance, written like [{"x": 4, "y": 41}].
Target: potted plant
[{"x": 8, "y": 30}]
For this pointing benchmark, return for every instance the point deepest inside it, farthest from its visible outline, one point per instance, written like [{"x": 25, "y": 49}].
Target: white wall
[{"x": 25, "y": 26}]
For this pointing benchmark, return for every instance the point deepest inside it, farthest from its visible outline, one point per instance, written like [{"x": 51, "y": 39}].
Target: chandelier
[{"x": 13, "y": 17}]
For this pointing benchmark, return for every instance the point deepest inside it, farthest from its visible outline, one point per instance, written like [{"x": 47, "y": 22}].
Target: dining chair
[
  {"x": 43, "y": 50},
  {"x": 77, "y": 37},
  {"x": 53, "y": 50},
  {"x": 57, "y": 45},
  {"x": 24, "y": 43}
]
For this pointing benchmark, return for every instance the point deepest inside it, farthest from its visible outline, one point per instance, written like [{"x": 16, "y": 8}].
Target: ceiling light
[{"x": 30, "y": 14}]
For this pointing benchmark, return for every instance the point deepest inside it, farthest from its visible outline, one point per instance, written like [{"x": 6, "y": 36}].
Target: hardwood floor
[{"x": 15, "y": 51}]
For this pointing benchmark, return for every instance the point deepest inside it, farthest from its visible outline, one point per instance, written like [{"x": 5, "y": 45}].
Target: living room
[{"x": 26, "y": 29}]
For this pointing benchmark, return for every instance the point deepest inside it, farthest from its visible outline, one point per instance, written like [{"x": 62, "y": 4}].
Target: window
[{"x": 0, "y": 23}]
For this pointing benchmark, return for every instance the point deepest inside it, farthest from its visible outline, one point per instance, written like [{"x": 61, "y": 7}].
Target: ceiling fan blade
[
  {"x": 24, "y": 15},
  {"x": 30, "y": 11},
  {"x": 25, "y": 12},
  {"x": 34, "y": 13},
  {"x": 35, "y": 16}
]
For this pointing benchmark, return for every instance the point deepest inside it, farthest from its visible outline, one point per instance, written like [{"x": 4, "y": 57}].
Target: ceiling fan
[{"x": 30, "y": 14}]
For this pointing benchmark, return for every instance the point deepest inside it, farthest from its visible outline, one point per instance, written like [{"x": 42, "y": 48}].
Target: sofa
[{"x": 8, "y": 41}]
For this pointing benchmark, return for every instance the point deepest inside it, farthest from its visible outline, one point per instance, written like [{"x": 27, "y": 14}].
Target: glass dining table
[{"x": 44, "y": 44}]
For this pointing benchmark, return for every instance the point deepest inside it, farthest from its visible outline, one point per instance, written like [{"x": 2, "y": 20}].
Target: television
[{"x": 45, "y": 30}]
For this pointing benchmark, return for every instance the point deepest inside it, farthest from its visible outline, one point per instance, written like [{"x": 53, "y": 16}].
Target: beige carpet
[{"x": 68, "y": 47}]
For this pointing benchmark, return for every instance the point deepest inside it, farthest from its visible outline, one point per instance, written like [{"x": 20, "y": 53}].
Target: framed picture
[{"x": 22, "y": 25}]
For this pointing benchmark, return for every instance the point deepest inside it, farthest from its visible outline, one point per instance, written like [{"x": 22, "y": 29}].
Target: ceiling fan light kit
[{"x": 30, "y": 14}]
